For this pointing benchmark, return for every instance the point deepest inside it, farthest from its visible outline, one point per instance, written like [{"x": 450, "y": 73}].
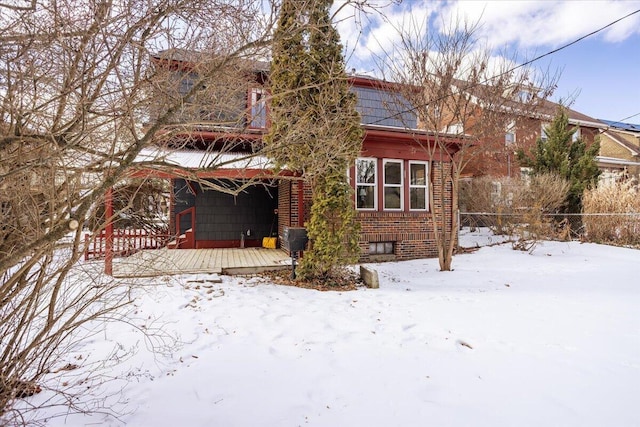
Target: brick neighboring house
[
  {"x": 619, "y": 157},
  {"x": 391, "y": 178},
  {"x": 499, "y": 159}
]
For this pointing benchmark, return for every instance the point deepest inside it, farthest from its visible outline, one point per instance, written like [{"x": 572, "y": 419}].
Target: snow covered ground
[{"x": 550, "y": 338}]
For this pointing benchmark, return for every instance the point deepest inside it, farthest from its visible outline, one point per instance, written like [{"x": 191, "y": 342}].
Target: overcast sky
[{"x": 602, "y": 72}]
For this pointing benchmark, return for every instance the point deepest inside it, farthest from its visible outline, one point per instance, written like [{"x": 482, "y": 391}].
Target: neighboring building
[
  {"x": 499, "y": 159},
  {"x": 211, "y": 140},
  {"x": 619, "y": 157}
]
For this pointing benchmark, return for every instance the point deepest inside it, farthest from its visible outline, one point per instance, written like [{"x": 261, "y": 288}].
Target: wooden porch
[{"x": 159, "y": 262}]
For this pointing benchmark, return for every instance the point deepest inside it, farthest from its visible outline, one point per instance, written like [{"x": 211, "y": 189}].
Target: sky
[
  {"x": 599, "y": 74},
  {"x": 509, "y": 338}
]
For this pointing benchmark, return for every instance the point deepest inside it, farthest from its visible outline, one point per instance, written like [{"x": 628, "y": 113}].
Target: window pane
[
  {"x": 365, "y": 197},
  {"x": 258, "y": 110},
  {"x": 392, "y": 197},
  {"x": 509, "y": 138},
  {"x": 366, "y": 171},
  {"x": 418, "y": 174},
  {"x": 418, "y": 198},
  {"x": 388, "y": 247},
  {"x": 393, "y": 173}
]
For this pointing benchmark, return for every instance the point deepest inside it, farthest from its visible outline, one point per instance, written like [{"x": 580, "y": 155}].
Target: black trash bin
[{"x": 294, "y": 238}]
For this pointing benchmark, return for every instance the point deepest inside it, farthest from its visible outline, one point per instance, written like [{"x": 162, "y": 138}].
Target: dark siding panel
[{"x": 384, "y": 108}]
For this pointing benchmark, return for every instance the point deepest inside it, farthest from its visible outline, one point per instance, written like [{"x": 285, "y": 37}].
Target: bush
[{"x": 621, "y": 201}]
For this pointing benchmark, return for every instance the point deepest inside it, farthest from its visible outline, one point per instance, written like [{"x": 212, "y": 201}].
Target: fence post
[{"x": 108, "y": 253}]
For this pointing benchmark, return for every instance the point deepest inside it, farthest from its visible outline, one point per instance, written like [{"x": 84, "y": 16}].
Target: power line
[
  {"x": 522, "y": 65},
  {"x": 627, "y": 118},
  {"x": 573, "y": 42}
]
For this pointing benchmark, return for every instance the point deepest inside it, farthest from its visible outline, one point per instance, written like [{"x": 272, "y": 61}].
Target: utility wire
[
  {"x": 522, "y": 65},
  {"x": 627, "y": 118}
]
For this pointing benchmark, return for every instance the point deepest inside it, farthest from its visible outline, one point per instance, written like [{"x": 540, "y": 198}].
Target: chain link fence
[{"x": 610, "y": 228}]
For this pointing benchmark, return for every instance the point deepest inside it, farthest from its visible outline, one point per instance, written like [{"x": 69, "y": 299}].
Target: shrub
[{"x": 612, "y": 214}]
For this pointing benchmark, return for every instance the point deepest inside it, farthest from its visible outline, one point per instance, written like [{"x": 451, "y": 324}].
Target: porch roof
[{"x": 166, "y": 163}]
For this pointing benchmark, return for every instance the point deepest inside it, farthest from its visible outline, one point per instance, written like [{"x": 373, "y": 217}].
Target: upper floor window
[
  {"x": 576, "y": 135},
  {"x": 393, "y": 184},
  {"x": 543, "y": 132},
  {"x": 366, "y": 180},
  {"x": 257, "y": 108},
  {"x": 510, "y": 134},
  {"x": 456, "y": 128},
  {"x": 418, "y": 185}
]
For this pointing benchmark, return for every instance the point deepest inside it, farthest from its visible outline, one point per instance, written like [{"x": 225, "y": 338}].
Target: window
[
  {"x": 366, "y": 180},
  {"x": 456, "y": 129},
  {"x": 510, "y": 135},
  {"x": 258, "y": 110},
  {"x": 380, "y": 248},
  {"x": 543, "y": 132},
  {"x": 576, "y": 134},
  {"x": 393, "y": 184},
  {"x": 418, "y": 184}
]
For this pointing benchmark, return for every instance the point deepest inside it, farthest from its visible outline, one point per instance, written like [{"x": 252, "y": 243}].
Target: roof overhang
[
  {"x": 191, "y": 164},
  {"x": 451, "y": 141},
  {"x": 614, "y": 162}
]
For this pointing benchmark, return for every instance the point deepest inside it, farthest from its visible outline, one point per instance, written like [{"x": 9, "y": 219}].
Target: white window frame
[
  {"x": 366, "y": 184},
  {"x": 424, "y": 186},
  {"x": 386, "y": 185}
]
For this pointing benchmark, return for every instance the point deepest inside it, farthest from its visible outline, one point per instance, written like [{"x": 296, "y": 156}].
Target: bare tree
[
  {"x": 78, "y": 104},
  {"x": 467, "y": 99}
]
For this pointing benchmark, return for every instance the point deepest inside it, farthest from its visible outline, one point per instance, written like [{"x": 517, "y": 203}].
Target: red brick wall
[{"x": 411, "y": 232}]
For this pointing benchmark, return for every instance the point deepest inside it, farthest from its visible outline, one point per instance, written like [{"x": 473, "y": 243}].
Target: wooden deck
[{"x": 159, "y": 262}]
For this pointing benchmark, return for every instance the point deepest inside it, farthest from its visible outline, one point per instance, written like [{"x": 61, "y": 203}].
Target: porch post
[
  {"x": 300, "y": 203},
  {"x": 108, "y": 254}
]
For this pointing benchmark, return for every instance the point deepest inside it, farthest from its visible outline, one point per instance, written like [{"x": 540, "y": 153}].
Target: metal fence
[{"x": 615, "y": 228}]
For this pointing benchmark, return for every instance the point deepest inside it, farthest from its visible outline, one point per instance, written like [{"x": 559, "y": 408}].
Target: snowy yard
[{"x": 507, "y": 339}]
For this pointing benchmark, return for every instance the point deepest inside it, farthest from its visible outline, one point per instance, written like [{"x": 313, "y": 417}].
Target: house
[
  {"x": 619, "y": 157},
  {"x": 521, "y": 131},
  {"x": 215, "y": 143}
]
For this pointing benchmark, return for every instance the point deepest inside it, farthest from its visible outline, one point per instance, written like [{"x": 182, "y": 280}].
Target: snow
[{"x": 507, "y": 338}]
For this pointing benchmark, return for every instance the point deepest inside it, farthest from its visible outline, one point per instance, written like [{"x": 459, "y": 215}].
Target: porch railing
[
  {"x": 125, "y": 242},
  {"x": 190, "y": 211}
]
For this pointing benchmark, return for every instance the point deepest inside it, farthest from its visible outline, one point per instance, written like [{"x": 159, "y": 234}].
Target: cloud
[
  {"x": 532, "y": 24},
  {"x": 521, "y": 25}
]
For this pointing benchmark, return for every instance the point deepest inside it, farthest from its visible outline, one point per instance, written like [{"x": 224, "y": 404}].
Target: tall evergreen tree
[
  {"x": 566, "y": 156},
  {"x": 315, "y": 129}
]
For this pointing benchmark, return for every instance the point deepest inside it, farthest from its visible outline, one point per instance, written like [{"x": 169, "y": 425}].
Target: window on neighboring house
[
  {"x": 418, "y": 186},
  {"x": 456, "y": 129},
  {"x": 543, "y": 132},
  {"x": 510, "y": 135},
  {"x": 366, "y": 180},
  {"x": 380, "y": 248},
  {"x": 393, "y": 184},
  {"x": 258, "y": 109},
  {"x": 576, "y": 135}
]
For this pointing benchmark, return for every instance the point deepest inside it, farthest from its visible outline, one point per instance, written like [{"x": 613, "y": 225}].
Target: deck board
[{"x": 158, "y": 262}]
